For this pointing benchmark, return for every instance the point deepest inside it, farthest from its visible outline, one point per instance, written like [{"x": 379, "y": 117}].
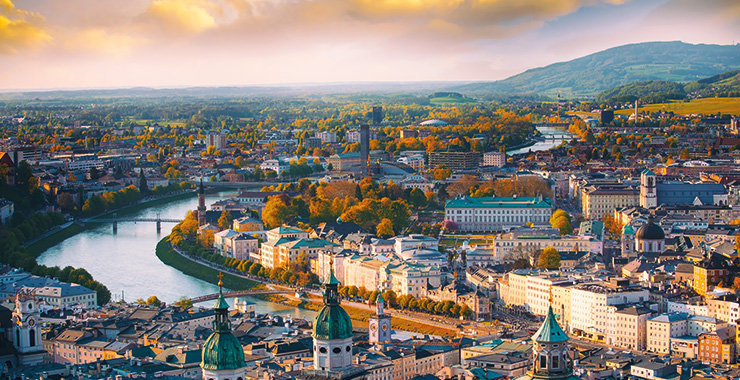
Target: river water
[
  {"x": 127, "y": 264},
  {"x": 547, "y": 133}
]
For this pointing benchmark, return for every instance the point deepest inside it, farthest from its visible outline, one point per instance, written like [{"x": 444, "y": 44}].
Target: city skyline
[{"x": 171, "y": 43}]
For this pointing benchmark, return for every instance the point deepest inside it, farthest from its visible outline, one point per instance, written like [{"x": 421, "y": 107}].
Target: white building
[
  {"x": 278, "y": 166},
  {"x": 591, "y": 301},
  {"x": 403, "y": 243},
  {"x": 664, "y": 327},
  {"x": 494, "y": 159},
  {"x": 474, "y": 214},
  {"x": 327, "y": 137}
]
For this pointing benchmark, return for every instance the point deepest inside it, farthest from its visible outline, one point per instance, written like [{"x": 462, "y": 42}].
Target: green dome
[
  {"x": 628, "y": 230},
  {"x": 332, "y": 322},
  {"x": 222, "y": 351}
]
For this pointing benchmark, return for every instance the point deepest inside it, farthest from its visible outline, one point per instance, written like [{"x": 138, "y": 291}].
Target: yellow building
[{"x": 597, "y": 201}]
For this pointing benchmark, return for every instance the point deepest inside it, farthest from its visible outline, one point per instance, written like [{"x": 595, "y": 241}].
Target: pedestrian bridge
[
  {"x": 115, "y": 220},
  {"x": 242, "y": 293}
]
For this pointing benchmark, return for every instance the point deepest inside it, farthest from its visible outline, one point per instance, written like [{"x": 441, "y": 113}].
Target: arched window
[{"x": 32, "y": 337}]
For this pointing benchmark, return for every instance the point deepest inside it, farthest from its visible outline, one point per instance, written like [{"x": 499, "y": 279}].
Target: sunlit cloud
[
  {"x": 98, "y": 40},
  {"x": 20, "y": 29},
  {"x": 182, "y": 16}
]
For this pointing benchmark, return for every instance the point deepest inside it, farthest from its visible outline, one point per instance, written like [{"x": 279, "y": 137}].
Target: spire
[
  {"x": 331, "y": 286},
  {"x": 221, "y": 323},
  {"x": 200, "y": 189}
]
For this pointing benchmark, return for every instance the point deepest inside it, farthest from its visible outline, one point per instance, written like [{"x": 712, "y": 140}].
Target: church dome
[
  {"x": 650, "y": 231},
  {"x": 222, "y": 350},
  {"x": 332, "y": 322}
]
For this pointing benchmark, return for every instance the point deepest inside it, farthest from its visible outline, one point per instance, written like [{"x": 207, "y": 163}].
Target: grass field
[
  {"x": 696, "y": 106},
  {"x": 168, "y": 256},
  {"x": 450, "y": 100}
]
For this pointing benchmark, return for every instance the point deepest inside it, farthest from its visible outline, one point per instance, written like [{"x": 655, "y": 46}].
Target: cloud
[
  {"x": 19, "y": 30},
  {"x": 99, "y": 40},
  {"x": 182, "y": 16}
]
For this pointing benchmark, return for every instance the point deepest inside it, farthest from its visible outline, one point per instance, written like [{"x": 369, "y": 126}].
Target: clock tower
[
  {"x": 380, "y": 323},
  {"x": 27, "y": 330}
]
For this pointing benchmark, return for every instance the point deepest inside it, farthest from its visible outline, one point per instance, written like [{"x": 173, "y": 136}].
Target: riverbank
[
  {"x": 42, "y": 244},
  {"x": 170, "y": 257}
]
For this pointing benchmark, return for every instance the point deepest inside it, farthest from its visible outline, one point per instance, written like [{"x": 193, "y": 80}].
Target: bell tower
[
  {"x": 27, "y": 330},
  {"x": 380, "y": 323},
  {"x": 201, "y": 205},
  {"x": 648, "y": 192}
]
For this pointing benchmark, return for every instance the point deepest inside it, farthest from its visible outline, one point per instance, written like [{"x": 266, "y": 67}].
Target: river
[
  {"x": 549, "y": 142},
  {"x": 127, "y": 264}
]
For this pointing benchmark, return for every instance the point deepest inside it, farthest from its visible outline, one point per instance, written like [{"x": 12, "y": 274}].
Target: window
[{"x": 337, "y": 350}]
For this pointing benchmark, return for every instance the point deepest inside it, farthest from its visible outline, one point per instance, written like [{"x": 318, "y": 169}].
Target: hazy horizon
[{"x": 46, "y": 45}]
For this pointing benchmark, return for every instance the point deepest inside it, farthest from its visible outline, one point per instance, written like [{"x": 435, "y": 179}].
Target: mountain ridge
[{"x": 620, "y": 65}]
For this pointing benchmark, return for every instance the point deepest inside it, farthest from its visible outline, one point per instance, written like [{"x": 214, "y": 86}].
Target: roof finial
[
  {"x": 220, "y": 281},
  {"x": 550, "y": 299}
]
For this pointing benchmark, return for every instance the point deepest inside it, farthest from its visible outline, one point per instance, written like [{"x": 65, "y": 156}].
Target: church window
[
  {"x": 322, "y": 350},
  {"x": 555, "y": 362},
  {"x": 337, "y": 350},
  {"x": 348, "y": 349},
  {"x": 32, "y": 337},
  {"x": 543, "y": 361}
]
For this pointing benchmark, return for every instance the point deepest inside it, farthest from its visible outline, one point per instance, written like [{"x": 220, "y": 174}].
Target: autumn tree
[
  {"x": 549, "y": 258},
  {"x": 385, "y": 228},
  {"x": 224, "y": 222},
  {"x": 463, "y": 185},
  {"x": 276, "y": 211},
  {"x": 153, "y": 301},
  {"x": 561, "y": 220}
]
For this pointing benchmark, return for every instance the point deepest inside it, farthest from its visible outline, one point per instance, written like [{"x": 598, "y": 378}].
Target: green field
[
  {"x": 167, "y": 255},
  {"x": 450, "y": 100},
  {"x": 697, "y": 106}
]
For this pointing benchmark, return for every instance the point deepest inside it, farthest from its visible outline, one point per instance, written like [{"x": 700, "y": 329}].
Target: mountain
[
  {"x": 587, "y": 76},
  {"x": 725, "y": 84}
]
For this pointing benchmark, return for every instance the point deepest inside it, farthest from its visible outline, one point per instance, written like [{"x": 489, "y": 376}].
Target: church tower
[
  {"x": 550, "y": 353},
  {"x": 201, "y": 205},
  {"x": 332, "y": 332},
  {"x": 27, "y": 330},
  {"x": 380, "y": 323},
  {"x": 223, "y": 355},
  {"x": 648, "y": 192},
  {"x": 628, "y": 241}
]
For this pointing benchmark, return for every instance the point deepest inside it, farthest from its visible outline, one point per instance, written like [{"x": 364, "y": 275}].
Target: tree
[
  {"x": 417, "y": 198},
  {"x": 224, "y": 222},
  {"x": 385, "y": 228},
  {"x": 184, "y": 302},
  {"x": 153, "y": 301},
  {"x": 143, "y": 186},
  {"x": 465, "y": 311},
  {"x": 276, "y": 211},
  {"x": 549, "y": 258},
  {"x": 463, "y": 185},
  {"x": 560, "y": 219},
  {"x": 66, "y": 201},
  {"x": 684, "y": 154}
]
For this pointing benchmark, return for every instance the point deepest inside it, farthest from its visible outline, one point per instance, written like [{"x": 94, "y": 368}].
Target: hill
[
  {"x": 725, "y": 84},
  {"x": 587, "y": 76}
]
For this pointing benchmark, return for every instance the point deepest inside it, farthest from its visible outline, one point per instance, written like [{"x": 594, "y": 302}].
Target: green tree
[
  {"x": 465, "y": 311},
  {"x": 549, "y": 258},
  {"x": 143, "y": 185},
  {"x": 276, "y": 211},
  {"x": 417, "y": 198}
]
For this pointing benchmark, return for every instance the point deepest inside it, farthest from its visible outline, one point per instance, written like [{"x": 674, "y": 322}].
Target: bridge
[
  {"x": 241, "y": 293},
  {"x": 115, "y": 220}
]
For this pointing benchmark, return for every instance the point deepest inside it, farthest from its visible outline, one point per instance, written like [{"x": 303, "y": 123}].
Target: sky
[{"x": 52, "y": 44}]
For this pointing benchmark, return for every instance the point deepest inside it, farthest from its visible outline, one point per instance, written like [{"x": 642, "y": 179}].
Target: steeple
[
  {"x": 332, "y": 331},
  {"x": 379, "y": 303},
  {"x": 223, "y": 355},
  {"x": 201, "y": 205}
]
